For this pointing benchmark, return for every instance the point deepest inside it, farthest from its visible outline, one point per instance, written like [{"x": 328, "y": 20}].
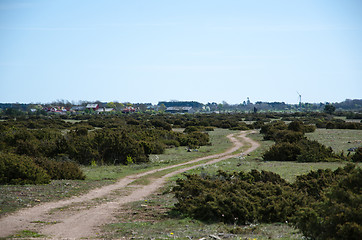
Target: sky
[{"x": 145, "y": 51}]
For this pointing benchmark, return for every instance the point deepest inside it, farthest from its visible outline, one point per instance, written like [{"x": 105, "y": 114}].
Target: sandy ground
[{"x": 80, "y": 217}]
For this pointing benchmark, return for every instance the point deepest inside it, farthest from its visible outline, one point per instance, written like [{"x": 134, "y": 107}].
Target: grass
[
  {"x": 170, "y": 157},
  {"x": 154, "y": 217},
  {"x": 339, "y": 139},
  {"x": 287, "y": 170},
  {"x": 26, "y": 234},
  {"x": 14, "y": 197}
]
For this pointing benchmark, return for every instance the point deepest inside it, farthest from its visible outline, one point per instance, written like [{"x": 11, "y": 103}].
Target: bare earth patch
[{"x": 81, "y": 216}]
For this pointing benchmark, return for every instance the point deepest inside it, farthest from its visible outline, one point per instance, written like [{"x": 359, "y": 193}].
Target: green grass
[
  {"x": 171, "y": 156},
  {"x": 26, "y": 234},
  {"x": 287, "y": 170},
  {"x": 14, "y": 197},
  {"x": 339, "y": 139}
]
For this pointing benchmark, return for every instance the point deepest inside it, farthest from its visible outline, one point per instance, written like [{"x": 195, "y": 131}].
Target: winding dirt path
[{"x": 84, "y": 214}]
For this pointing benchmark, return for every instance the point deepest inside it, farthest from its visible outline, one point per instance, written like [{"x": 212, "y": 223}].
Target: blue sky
[{"x": 201, "y": 50}]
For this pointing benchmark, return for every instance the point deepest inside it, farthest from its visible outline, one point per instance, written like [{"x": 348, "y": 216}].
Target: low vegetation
[
  {"x": 264, "y": 197},
  {"x": 285, "y": 180},
  {"x": 291, "y": 145}
]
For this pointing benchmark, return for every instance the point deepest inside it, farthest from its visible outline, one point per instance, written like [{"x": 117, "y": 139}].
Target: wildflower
[{"x": 171, "y": 233}]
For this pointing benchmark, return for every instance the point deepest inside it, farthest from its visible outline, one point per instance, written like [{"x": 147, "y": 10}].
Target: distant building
[
  {"x": 103, "y": 109},
  {"x": 129, "y": 110},
  {"x": 180, "y": 110},
  {"x": 77, "y": 108},
  {"x": 92, "y": 106}
]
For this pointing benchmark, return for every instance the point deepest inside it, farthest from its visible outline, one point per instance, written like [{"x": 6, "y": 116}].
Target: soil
[{"x": 81, "y": 216}]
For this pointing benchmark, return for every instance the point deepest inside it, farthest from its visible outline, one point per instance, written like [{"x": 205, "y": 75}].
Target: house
[
  {"x": 128, "y": 110},
  {"x": 103, "y": 110},
  {"x": 92, "y": 106},
  {"x": 180, "y": 110},
  {"x": 77, "y": 108}
]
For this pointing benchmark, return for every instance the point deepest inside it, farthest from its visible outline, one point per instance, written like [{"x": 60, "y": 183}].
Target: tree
[
  {"x": 329, "y": 108},
  {"x": 111, "y": 105},
  {"x": 162, "y": 107}
]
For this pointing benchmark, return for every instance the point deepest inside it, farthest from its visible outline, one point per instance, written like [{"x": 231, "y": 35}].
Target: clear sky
[{"x": 161, "y": 50}]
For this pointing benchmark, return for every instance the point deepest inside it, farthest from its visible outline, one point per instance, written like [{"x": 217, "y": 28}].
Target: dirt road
[{"x": 80, "y": 217}]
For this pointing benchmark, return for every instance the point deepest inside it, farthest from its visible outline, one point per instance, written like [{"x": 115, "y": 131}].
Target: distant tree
[
  {"x": 162, "y": 107},
  {"x": 12, "y": 112},
  {"x": 142, "y": 107},
  {"x": 329, "y": 108},
  {"x": 111, "y": 105}
]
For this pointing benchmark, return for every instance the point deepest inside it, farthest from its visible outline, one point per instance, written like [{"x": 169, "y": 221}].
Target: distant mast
[{"x": 300, "y": 101}]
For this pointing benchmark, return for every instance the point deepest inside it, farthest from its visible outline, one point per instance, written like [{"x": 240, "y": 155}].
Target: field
[
  {"x": 154, "y": 218},
  {"x": 339, "y": 139}
]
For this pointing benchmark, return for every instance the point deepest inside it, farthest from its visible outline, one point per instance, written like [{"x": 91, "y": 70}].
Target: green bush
[
  {"x": 235, "y": 198},
  {"x": 284, "y": 151},
  {"x": 323, "y": 204},
  {"x": 292, "y": 146},
  {"x": 60, "y": 169},
  {"x": 287, "y": 136},
  {"x": 357, "y": 157},
  {"x": 190, "y": 129},
  {"x": 15, "y": 169},
  {"x": 338, "y": 215}
]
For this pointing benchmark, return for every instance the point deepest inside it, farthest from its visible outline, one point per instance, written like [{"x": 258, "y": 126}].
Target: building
[
  {"x": 104, "y": 110},
  {"x": 129, "y": 110},
  {"x": 92, "y": 106},
  {"x": 180, "y": 110}
]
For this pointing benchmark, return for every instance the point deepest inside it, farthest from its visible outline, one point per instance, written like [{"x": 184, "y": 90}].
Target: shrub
[
  {"x": 284, "y": 151},
  {"x": 357, "y": 157},
  {"x": 235, "y": 198},
  {"x": 15, "y": 169},
  {"x": 161, "y": 124},
  {"x": 209, "y": 129},
  {"x": 296, "y": 126},
  {"x": 323, "y": 204},
  {"x": 303, "y": 150},
  {"x": 339, "y": 215},
  {"x": 190, "y": 129},
  {"x": 287, "y": 136},
  {"x": 60, "y": 169}
]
